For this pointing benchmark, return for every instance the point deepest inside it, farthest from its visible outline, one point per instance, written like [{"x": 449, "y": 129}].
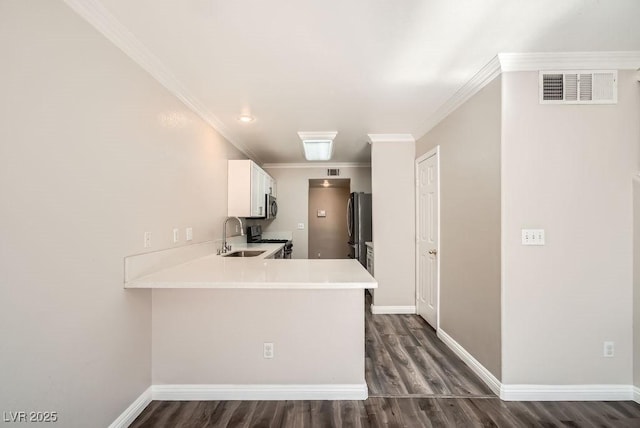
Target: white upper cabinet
[
  {"x": 257, "y": 191},
  {"x": 248, "y": 185},
  {"x": 272, "y": 186}
]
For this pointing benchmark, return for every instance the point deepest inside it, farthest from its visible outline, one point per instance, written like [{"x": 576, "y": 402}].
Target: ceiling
[{"x": 351, "y": 66}]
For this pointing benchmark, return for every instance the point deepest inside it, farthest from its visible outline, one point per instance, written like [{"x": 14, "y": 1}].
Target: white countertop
[{"x": 214, "y": 271}]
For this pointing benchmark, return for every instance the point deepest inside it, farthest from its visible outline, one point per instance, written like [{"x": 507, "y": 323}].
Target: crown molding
[
  {"x": 390, "y": 138},
  {"x": 536, "y": 61},
  {"x": 317, "y": 165},
  {"x": 481, "y": 79},
  {"x": 102, "y": 20}
]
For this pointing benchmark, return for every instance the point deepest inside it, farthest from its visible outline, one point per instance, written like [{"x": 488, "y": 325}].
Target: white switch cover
[
  {"x": 300, "y": 226},
  {"x": 532, "y": 236},
  {"x": 176, "y": 235},
  {"x": 188, "y": 233},
  {"x": 147, "y": 239}
]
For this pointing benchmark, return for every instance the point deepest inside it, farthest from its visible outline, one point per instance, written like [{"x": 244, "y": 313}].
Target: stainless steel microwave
[{"x": 272, "y": 207}]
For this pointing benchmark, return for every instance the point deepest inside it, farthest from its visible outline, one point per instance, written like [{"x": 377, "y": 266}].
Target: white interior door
[{"x": 427, "y": 241}]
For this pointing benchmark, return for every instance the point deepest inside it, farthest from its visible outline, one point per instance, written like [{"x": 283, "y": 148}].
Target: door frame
[{"x": 433, "y": 152}]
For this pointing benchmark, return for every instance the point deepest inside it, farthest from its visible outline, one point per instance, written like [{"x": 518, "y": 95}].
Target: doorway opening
[{"x": 328, "y": 235}]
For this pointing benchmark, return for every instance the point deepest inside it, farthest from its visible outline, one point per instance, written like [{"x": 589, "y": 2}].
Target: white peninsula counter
[
  {"x": 252, "y": 272},
  {"x": 213, "y": 315}
]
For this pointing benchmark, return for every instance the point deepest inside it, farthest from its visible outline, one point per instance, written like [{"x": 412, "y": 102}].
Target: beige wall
[
  {"x": 393, "y": 216},
  {"x": 568, "y": 169},
  {"x": 328, "y": 236},
  {"x": 636, "y": 282},
  {"x": 293, "y": 199},
  {"x": 217, "y": 336},
  {"x": 94, "y": 153},
  {"x": 469, "y": 141}
]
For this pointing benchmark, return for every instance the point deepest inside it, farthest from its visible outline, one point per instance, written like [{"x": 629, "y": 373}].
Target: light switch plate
[
  {"x": 300, "y": 226},
  {"x": 532, "y": 236},
  {"x": 189, "y": 234}
]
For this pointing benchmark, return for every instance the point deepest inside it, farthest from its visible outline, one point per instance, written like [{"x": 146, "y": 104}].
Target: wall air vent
[
  {"x": 579, "y": 87},
  {"x": 333, "y": 172}
]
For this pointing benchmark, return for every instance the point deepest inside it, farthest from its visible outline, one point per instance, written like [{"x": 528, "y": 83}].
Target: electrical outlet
[
  {"x": 188, "y": 233},
  {"x": 608, "y": 350},
  {"x": 532, "y": 236},
  {"x": 147, "y": 240},
  {"x": 300, "y": 226},
  {"x": 176, "y": 235},
  {"x": 268, "y": 350}
]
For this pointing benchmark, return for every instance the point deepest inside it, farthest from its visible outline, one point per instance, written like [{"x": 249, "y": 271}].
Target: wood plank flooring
[
  {"x": 405, "y": 358},
  {"x": 389, "y": 412},
  {"x": 414, "y": 380}
]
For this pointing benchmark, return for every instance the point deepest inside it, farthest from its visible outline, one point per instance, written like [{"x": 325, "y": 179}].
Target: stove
[
  {"x": 272, "y": 241},
  {"x": 254, "y": 236}
]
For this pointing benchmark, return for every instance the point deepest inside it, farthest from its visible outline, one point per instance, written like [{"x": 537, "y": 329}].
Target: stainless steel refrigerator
[{"x": 359, "y": 225}]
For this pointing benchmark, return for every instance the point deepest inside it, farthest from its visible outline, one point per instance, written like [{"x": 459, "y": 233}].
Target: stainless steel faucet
[{"x": 226, "y": 247}]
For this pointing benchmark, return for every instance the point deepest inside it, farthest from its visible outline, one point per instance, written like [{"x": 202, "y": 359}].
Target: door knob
[{"x": 434, "y": 252}]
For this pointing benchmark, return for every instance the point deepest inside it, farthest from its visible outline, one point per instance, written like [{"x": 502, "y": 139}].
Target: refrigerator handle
[{"x": 349, "y": 226}]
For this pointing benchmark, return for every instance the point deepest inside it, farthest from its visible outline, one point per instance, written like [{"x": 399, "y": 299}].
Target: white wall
[
  {"x": 393, "y": 200},
  {"x": 94, "y": 153},
  {"x": 567, "y": 169},
  {"x": 470, "y": 305},
  {"x": 293, "y": 199},
  {"x": 217, "y": 336}
]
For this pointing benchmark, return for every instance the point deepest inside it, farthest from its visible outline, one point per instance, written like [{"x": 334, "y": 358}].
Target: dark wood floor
[
  {"x": 405, "y": 358},
  {"x": 389, "y": 412},
  {"x": 414, "y": 380}
]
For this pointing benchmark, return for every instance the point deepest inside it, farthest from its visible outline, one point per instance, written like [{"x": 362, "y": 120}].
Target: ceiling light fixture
[
  {"x": 246, "y": 118},
  {"x": 318, "y": 146}
]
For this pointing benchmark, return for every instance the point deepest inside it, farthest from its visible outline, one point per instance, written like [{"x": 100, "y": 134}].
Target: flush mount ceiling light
[
  {"x": 246, "y": 118},
  {"x": 318, "y": 146}
]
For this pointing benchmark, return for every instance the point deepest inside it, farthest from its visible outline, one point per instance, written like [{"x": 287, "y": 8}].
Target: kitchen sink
[{"x": 244, "y": 253}]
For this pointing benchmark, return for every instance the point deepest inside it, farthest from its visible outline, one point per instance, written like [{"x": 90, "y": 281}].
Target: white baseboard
[
  {"x": 131, "y": 413},
  {"x": 377, "y": 309},
  {"x": 260, "y": 392},
  {"x": 541, "y": 392},
  {"x": 487, "y": 377},
  {"x": 566, "y": 392}
]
